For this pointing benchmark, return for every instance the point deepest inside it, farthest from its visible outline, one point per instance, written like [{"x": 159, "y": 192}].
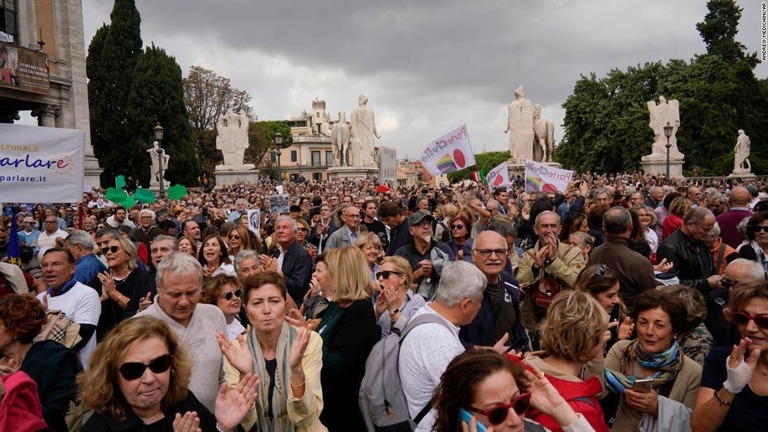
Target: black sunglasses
[
  {"x": 497, "y": 414},
  {"x": 228, "y": 296},
  {"x": 133, "y": 371},
  {"x": 760, "y": 228},
  {"x": 235, "y": 237},
  {"x": 741, "y": 318},
  {"x": 385, "y": 274},
  {"x": 457, "y": 226},
  {"x": 112, "y": 249}
]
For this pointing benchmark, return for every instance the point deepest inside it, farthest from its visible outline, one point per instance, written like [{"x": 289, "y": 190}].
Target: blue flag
[{"x": 14, "y": 254}]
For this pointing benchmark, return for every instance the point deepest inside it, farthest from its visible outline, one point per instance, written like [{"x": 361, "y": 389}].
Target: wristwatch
[{"x": 547, "y": 262}]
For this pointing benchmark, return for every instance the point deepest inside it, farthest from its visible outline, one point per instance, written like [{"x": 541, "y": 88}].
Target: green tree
[
  {"x": 261, "y": 136},
  {"x": 157, "y": 96},
  {"x": 113, "y": 54}
]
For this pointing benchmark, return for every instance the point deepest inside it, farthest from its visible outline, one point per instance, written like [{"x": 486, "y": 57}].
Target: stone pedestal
[
  {"x": 154, "y": 185},
  {"x": 355, "y": 173},
  {"x": 741, "y": 173},
  {"x": 231, "y": 177},
  {"x": 659, "y": 167}
]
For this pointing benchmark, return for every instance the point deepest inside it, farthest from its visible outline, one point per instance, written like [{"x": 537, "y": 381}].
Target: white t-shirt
[
  {"x": 46, "y": 241},
  {"x": 424, "y": 356},
  {"x": 82, "y": 304},
  {"x": 234, "y": 329}
]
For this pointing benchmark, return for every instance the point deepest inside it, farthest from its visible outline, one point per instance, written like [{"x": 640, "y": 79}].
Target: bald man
[{"x": 728, "y": 221}]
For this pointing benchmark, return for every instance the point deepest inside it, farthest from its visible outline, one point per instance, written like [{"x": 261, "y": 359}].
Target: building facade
[{"x": 42, "y": 68}]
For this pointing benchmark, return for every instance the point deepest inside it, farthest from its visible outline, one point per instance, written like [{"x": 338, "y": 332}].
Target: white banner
[
  {"x": 545, "y": 178},
  {"x": 449, "y": 153},
  {"x": 41, "y": 164},
  {"x": 498, "y": 176}
]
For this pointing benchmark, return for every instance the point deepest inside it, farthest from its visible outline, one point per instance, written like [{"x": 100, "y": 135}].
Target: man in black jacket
[
  {"x": 689, "y": 254},
  {"x": 292, "y": 260}
]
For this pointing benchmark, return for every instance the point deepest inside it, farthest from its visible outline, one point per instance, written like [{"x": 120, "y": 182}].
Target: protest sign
[
  {"x": 41, "y": 162},
  {"x": 545, "y": 178},
  {"x": 498, "y": 176},
  {"x": 449, "y": 153},
  {"x": 254, "y": 222},
  {"x": 279, "y": 204}
]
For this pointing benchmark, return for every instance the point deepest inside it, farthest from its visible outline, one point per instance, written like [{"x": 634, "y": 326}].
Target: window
[
  {"x": 317, "y": 177},
  {"x": 294, "y": 156},
  {"x": 315, "y": 158},
  {"x": 329, "y": 158},
  {"x": 8, "y": 21}
]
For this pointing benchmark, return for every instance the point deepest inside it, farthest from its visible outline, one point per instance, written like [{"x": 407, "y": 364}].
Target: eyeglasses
[
  {"x": 385, "y": 274},
  {"x": 353, "y": 216},
  {"x": 235, "y": 237},
  {"x": 487, "y": 252},
  {"x": 424, "y": 224},
  {"x": 228, "y": 296},
  {"x": 51, "y": 222},
  {"x": 727, "y": 283},
  {"x": 760, "y": 228},
  {"x": 112, "y": 249},
  {"x": 497, "y": 414},
  {"x": 741, "y": 318},
  {"x": 457, "y": 226},
  {"x": 133, "y": 371}
]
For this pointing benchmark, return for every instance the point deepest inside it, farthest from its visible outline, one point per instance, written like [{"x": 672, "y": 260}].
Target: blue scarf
[
  {"x": 66, "y": 287},
  {"x": 666, "y": 366}
]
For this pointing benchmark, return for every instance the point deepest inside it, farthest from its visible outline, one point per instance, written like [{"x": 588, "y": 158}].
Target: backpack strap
[
  {"x": 719, "y": 259},
  {"x": 423, "y": 412}
]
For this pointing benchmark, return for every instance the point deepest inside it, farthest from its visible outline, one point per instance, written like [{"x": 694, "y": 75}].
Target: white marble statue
[
  {"x": 520, "y": 127},
  {"x": 363, "y": 135},
  {"x": 232, "y": 140},
  {"x": 154, "y": 175},
  {"x": 340, "y": 140},
  {"x": 545, "y": 136},
  {"x": 662, "y": 114},
  {"x": 741, "y": 163}
]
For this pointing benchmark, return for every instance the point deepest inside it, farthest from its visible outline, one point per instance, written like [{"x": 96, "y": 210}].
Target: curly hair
[
  {"x": 693, "y": 301},
  {"x": 23, "y": 316},
  {"x": 213, "y": 286},
  {"x": 574, "y": 324},
  {"x": 458, "y": 384},
  {"x": 99, "y": 387},
  {"x": 671, "y": 305}
]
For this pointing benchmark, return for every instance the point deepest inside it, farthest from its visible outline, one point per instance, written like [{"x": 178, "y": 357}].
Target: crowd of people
[{"x": 621, "y": 303}]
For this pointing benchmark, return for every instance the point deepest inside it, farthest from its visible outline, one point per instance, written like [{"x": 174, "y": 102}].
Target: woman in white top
[
  {"x": 214, "y": 257},
  {"x": 647, "y": 220},
  {"x": 225, "y": 293}
]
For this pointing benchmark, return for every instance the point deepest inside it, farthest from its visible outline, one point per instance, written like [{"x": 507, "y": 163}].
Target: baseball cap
[{"x": 419, "y": 216}]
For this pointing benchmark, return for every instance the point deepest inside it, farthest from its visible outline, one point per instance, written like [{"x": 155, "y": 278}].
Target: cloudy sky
[{"x": 427, "y": 66}]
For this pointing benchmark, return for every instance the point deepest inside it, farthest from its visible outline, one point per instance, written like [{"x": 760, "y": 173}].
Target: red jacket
[{"x": 20, "y": 409}]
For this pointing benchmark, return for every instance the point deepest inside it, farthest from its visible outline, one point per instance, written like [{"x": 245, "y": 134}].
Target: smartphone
[
  {"x": 465, "y": 416},
  {"x": 643, "y": 385}
]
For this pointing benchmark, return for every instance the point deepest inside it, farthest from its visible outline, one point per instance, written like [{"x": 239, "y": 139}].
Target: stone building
[{"x": 42, "y": 68}]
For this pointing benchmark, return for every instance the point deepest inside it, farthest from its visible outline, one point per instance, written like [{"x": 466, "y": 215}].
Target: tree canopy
[{"x": 606, "y": 119}]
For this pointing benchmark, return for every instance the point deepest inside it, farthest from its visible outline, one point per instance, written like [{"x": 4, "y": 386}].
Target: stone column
[{"x": 46, "y": 115}]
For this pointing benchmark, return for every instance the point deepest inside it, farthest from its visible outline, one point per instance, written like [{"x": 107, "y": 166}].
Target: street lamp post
[
  {"x": 158, "y": 131},
  {"x": 278, "y": 142},
  {"x": 668, "y": 133}
]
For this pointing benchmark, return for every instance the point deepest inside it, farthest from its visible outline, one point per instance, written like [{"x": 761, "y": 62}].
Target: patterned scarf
[
  {"x": 280, "y": 422},
  {"x": 760, "y": 255},
  {"x": 666, "y": 366}
]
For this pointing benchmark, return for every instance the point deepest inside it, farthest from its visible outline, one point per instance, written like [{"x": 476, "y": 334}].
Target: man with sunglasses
[
  {"x": 634, "y": 271},
  {"x": 689, "y": 254},
  {"x": 179, "y": 285},
  {"x": 80, "y": 302},
  {"x": 425, "y": 256}
]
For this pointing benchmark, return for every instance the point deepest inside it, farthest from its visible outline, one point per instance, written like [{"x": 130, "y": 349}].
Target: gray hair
[
  {"x": 112, "y": 232},
  {"x": 715, "y": 230},
  {"x": 164, "y": 237},
  {"x": 757, "y": 270},
  {"x": 742, "y": 227},
  {"x": 180, "y": 264},
  {"x": 149, "y": 212},
  {"x": 244, "y": 255},
  {"x": 458, "y": 281},
  {"x": 288, "y": 218},
  {"x": 502, "y": 227},
  {"x": 80, "y": 237}
]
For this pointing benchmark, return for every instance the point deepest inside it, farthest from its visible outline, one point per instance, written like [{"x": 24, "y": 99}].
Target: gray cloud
[{"x": 426, "y": 66}]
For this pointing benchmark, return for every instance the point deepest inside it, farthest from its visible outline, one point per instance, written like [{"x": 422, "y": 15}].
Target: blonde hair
[
  {"x": 368, "y": 238},
  {"x": 402, "y": 266},
  {"x": 130, "y": 249},
  {"x": 350, "y": 273},
  {"x": 574, "y": 324}
]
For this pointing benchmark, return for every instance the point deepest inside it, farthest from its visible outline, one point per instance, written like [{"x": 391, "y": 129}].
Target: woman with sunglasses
[
  {"x": 656, "y": 381},
  {"x": 239, "y": 240},
  {"x": 224, "y": 292},
  {"x": 481, "y": 389},
  {"x": 119, "y": 284},
  {"x": 734, "y": 385},
  {"x": 573, "y": 338},
  {"x": 51, "y": 365},
  {"x": 288, "y": 360},
  {"x": 757, "y": 234},
  {"x": 461, "y": 231},
  {"x": 214, "y": 257},
  {"x": 139, "y": 381},
  {"x": 395, "y": 302}
]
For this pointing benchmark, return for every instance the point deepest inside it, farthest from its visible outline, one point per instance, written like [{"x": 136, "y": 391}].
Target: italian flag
[{"x": 478, "y": 176}]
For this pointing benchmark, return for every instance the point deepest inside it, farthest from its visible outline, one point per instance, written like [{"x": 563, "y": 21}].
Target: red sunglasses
[
  {"x": 497, "y": 414},
  {"x": 741, "y": 318}
]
